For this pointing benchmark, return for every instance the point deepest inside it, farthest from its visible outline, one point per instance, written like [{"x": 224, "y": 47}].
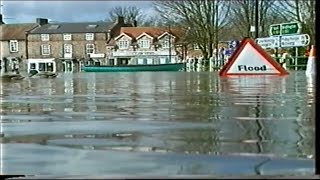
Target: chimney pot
[
  {"x": 1, "y": 19},
  {"x": 135, "y": 24},
  {"x": 120, "y": 20},
  {"x": 42, "y": 21}
]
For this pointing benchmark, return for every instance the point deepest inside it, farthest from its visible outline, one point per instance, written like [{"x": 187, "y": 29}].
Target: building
[
  {"x": 145, "y": 45},
  {"x": 67, "y": 46},
  {"x": 13, "y": 45}
]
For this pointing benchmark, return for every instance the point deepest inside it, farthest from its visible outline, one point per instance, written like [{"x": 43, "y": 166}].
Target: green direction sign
[
  {"x": 275, "y": 30},
  {"x": 285, "y": 29},
  {"x": 290, "y": 28}
]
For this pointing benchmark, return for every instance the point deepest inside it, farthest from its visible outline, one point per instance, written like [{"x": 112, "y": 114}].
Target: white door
[{"x": 68, "y": 51}]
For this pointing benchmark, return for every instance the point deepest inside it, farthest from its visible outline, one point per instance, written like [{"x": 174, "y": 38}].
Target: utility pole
[
  {"x": 216, "y": 28},
  {"x": 169, "y": 43},
  {"x": 256, "y": 18}
]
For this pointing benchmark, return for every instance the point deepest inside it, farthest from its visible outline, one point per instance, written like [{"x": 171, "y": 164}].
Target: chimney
[
  {"x": 42, "y": 21},
  {"x": 120, "y": 20},
  {"x": 108, "y": 35},
  {"x": 1, "y": 19},
  {"x": 135, "y": 24}
]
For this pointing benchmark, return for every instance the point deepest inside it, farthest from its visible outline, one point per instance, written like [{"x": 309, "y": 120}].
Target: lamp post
[
  {"x": 256, "y": 18},
  {"x": 216, "y": 29},
  {"x": 169, "y": 43}
]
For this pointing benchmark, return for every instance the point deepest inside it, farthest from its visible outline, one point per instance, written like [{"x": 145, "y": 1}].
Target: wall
[{"x": 57, "y": 44}]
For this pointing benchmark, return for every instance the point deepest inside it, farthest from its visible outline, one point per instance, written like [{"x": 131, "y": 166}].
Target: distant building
[
  {"x": 145, "y": 45},
  {"x": 68, "y": 46},
  {"x": 13, "y": 45}
]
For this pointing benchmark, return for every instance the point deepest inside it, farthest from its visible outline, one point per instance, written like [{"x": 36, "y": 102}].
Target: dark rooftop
[
  {"x": 86, "y": 27},
  {"x": 15, "y": 31}
]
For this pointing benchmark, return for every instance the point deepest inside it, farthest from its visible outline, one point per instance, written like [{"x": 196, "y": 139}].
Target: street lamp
[
  {"x": 256, "y": 18},
  {"x": 169, "y": 43},
  {"x": 216, "y": 29}
]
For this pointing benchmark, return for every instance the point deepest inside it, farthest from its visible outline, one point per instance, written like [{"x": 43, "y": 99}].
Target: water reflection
[{"x": 181, "y": 112}]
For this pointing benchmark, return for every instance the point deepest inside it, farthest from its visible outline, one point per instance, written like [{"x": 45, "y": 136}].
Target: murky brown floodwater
[{"x": 152, "y": 112}]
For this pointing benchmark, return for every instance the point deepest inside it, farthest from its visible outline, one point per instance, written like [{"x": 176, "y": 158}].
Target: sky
[{"x": 64, "y": 11}]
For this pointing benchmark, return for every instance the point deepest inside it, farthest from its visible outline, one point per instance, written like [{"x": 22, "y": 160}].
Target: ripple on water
[{"x": 185, "y": 113}]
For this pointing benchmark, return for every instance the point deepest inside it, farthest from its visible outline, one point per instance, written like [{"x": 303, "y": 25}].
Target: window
[
  {"x": 123, "y": 44},
  {"x": 144, "y": 43},
  {"x": 46, "y": 67},
  {"x": 44, "y": 37},
  {"x": 166, "y": 43},
  {"x": 67, "y": 37},
  {"x": 89, "y": 36},
  {"x": 90, "y": 48},
  {"x": 54, "y": 27},
  {"x": 13, "y": 46},
  {"x": 32, "y": 66},
  {"x": 68, "y": 49},
  {"x": 195, "y": 47},
  {"x": 45, "y": 49},
  {"x": 91, "y": 26}
]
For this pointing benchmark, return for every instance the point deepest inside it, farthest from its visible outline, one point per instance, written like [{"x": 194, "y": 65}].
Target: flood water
[{"x": 121, "y": 122}]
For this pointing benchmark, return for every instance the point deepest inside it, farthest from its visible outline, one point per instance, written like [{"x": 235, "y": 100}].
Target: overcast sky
[{"x": 64, "y": 11}]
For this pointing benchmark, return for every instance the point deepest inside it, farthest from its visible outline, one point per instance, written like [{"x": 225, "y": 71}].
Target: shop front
[
  {"x": 144, "y": 57},
  {"x": 42, "y": 65}
]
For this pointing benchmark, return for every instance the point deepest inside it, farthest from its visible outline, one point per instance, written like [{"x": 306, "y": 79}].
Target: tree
[
  {"x": 302, "y": 11},
  {"x": 130, "y": 14},
  {"x": 243, "y": 16},
  {"x": 198, "y": 18}
]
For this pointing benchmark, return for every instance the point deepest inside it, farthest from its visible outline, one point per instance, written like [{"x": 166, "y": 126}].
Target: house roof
[
  {"x": 15, "y": 31},
  {"x": 85, "y": 27},
  {"x": 155, "y": 32}
]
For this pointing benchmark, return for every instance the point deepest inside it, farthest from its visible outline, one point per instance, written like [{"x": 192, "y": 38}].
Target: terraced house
[
  {"x": 146, "y": 45},
  {"x": 67, "y": 46},
  {"x": 13, "y": 45}
]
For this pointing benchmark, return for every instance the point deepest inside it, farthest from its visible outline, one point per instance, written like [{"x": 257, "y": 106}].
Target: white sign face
[
  {"x": 143, "y": 53},
  {"x": 269, "y": 42},
  {"x": 250, "y": 61},
  {"x": 97, "y": 55},
  {"x": 299, "y": 40}
]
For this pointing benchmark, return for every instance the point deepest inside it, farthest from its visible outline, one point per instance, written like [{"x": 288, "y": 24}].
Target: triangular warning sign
[{"x": 250, "y": 59}]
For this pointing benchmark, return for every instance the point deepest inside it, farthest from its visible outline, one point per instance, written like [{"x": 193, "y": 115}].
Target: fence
[{"x": 213, "y": 64}]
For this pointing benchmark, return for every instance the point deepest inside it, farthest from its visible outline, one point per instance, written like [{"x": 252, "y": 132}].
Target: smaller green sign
[{"x": 275, "y": 30}]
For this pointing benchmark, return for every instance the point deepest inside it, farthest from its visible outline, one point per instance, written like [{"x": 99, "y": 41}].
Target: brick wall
[{"x": 57, "y": 45}]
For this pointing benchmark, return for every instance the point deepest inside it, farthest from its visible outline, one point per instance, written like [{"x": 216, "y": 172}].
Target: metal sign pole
[{"x": 296, "y": 59}]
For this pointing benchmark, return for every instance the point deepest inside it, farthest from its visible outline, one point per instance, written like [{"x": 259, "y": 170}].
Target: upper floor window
[
  {"x": 144, "y": 43},
  {"x": 45, "y": 49},
  {"x": 166, "y": 43},
  {"x": 13, "y": 46},
  {"x": 89, "y": 36},
  {"x": 90, "y": 48},
  {"x": 67, "y": 37},
  {"x": 196, "y": 47},
  {"x": 44, "y": 37},
  {"x": 123, "y": 44}
]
